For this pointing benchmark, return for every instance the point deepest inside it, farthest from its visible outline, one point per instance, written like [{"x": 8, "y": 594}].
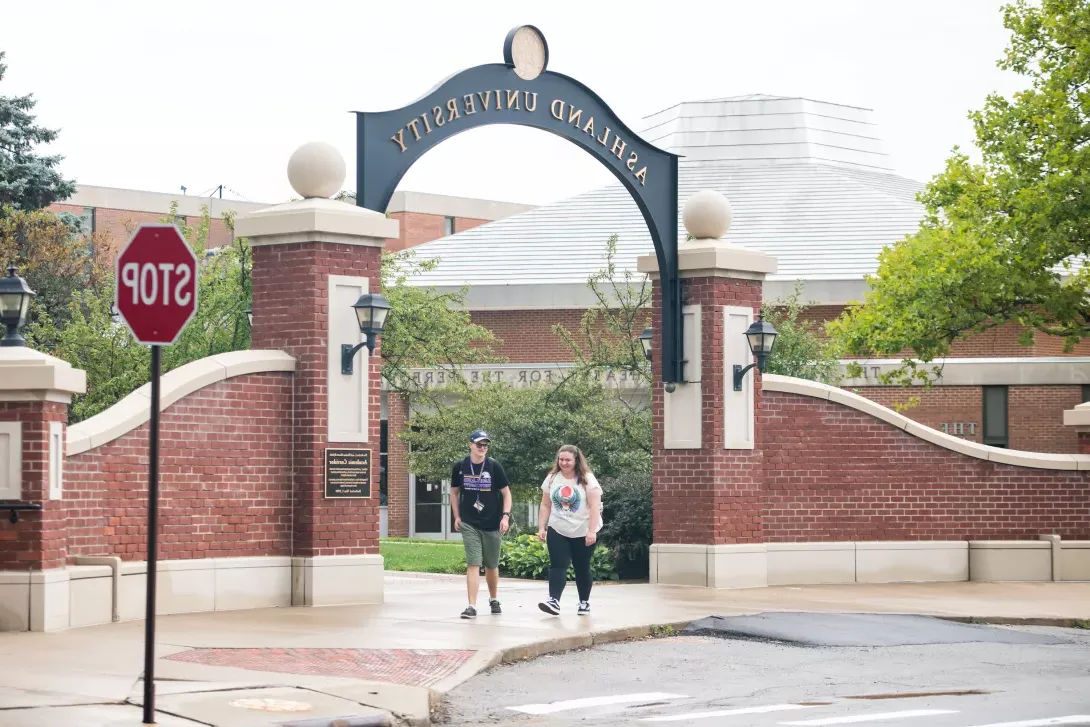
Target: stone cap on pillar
[
  {"x": 29, "y": 375},
  {"x": 316, "y": 171},
  {"x": 707, "y": 216},
  {"x": 1079, "y": 417}
]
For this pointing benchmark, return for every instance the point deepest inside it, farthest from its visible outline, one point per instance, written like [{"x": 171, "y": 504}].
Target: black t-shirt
[{"x": 479, "y": 481}]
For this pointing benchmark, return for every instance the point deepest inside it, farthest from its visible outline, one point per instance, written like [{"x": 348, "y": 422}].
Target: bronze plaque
[{"x": 347, "y": 473}]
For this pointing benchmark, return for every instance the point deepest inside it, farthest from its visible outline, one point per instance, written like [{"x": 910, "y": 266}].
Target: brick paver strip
[{"x": 414, "y": 667}]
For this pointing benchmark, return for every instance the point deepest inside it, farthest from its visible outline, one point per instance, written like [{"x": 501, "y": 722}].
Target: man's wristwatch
[{"x": 506, "y": 514}]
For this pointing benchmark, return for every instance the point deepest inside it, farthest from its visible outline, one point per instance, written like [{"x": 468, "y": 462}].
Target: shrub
[
  {"x": 527, "y": 557},
  {"x": 627, "y": 527}
]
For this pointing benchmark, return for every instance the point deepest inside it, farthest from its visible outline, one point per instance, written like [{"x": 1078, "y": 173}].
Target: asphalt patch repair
[{"x": 858, "y": 629}]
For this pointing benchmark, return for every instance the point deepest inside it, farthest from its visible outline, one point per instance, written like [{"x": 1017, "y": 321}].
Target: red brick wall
[
  {"x": 528, "y": 335},
  {"x": 938, "y": 405},
  {"x": 834, "y": 473},
  {"x": 397, "y": 467},
  {"x": 37, "y": 540},
  {"x": 1035, "y": 418},
  {"x": 1000, "y": 341},
  {"x": 1034, "y": 413},
  {"x": 711, "y": 495},
  {"x": 115, "y": 224},
  {"x": 225, "y": 478},
  {"x": 419, "y": 227},
  {"x": 284, "y": 321}
]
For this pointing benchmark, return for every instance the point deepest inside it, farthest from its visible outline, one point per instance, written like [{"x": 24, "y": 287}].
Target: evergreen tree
[{"x": 27, "y": 181}]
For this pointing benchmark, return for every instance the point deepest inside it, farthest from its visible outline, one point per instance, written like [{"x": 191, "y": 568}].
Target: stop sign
[{"x": 156, "y": 283}]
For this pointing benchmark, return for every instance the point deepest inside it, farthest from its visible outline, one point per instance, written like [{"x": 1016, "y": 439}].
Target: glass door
[{"x": 431, "y": 510}]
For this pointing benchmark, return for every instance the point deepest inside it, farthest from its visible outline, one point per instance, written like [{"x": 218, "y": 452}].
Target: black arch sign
[{"x": 522, "y": 92}]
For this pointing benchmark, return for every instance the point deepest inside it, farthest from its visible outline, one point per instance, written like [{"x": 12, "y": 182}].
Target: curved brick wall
[
  {"x": 835, "y": 473},
  {"x": 225, "y": 478}
]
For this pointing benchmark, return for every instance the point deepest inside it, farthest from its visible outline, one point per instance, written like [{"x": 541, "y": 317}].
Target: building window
[
  {"x": 995, "y": 416},
  {"x": 1085, "y": 393},
  {"x": 382, "y": 463},
  {"x": 448, "y": 226}
]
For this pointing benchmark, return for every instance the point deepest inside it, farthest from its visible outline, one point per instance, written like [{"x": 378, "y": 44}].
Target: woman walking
[{"x": 568, "y": 520}]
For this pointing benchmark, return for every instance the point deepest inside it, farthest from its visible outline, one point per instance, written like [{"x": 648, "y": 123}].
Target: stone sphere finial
[
  {"x": 707, "y": 215},
  {"x": 316, "y": 169}
]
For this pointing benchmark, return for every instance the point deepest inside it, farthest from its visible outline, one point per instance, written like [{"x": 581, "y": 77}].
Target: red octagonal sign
[{"x": 156, "y": 283}]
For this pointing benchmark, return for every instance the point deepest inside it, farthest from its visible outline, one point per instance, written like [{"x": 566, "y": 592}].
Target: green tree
[
  {"x": 96, "y": 340},
  {"x": 801, "y": 350},
  {"x": 607, "y": 340},
  {"x": 54, "y": 259},
  {"x": 1003, "y": 241},
  {"x": 527, "y": 427},
  {"x": 427, "y": 329},
  {"x": 27, "y": 181}
]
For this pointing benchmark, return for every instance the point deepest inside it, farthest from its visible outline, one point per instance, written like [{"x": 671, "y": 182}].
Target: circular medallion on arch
[{"x": 525, "y": 49}]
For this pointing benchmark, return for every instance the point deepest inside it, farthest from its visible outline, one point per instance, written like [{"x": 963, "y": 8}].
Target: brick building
[{"x": 809, "y": 184}]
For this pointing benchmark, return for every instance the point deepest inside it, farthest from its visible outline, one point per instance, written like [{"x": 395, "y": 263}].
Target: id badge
[{"x": 478, "y": 506}]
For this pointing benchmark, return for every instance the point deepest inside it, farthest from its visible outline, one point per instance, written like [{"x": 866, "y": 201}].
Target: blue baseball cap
[{"x": 479, "y": 436}]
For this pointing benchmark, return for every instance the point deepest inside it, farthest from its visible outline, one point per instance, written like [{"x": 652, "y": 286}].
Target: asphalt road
[{"x": 798, "y": 669}]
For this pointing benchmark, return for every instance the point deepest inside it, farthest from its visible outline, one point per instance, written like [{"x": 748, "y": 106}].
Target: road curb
[
  {"x": 483, "y": 660},
  {"x": 1067, "y": 623}
]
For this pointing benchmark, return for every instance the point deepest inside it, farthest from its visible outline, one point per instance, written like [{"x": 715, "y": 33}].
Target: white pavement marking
[
  {"x": 873, "y": 717},
  {"x": 552, "y": 707},
  {"x": 1071, "y": 719},
  {"x": 726, "y": 712}
]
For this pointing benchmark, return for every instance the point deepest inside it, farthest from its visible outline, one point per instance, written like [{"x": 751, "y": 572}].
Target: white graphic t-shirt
[{"x": 570, "y": 514}]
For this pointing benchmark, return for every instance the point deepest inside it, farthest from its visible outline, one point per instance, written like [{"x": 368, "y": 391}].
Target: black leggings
[{"x": 562, "y": 551}]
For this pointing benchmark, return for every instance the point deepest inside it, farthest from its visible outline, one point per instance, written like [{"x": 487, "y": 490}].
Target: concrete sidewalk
[{"x": 392, "y": 662}]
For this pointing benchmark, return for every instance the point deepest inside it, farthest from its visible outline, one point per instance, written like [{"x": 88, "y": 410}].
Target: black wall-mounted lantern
[
  {"x": 249, "y": 315},
  {"x": 761, "y": 337},
  {"x": 645, "y": 342},
  {"x": 371, "y": 311},
  {"x": 15, "y": 297}
]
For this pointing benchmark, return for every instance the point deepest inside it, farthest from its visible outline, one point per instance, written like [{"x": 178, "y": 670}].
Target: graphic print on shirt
[
  {"x": 477, "y": 482},
  {"x": 567, "y": 498}
]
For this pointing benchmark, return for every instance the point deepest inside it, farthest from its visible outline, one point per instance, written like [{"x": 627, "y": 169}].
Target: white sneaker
[{"x": 584, "y": 608}]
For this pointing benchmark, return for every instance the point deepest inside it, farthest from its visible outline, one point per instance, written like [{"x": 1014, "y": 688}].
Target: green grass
[{"x": 422, "y": 556}]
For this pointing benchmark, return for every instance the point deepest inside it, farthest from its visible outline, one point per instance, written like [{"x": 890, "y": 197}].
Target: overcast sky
[{"x": 156, "y": 95}]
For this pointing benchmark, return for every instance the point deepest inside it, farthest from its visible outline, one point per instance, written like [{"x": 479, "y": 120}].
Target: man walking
[{"x": 474, "y": 501}]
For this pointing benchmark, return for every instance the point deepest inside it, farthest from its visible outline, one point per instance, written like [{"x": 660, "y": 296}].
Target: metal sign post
[
  {"x": 153, "y": 538},
  {"x": 156, "y": 295}
]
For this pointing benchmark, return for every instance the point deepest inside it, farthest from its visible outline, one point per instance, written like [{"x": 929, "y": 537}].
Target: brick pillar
[
  {"x": 397, "y": 466},
  {"x": 311, "y": 260},
  {"x": 35, "y": 390},
  {"x": 707, "y": 465}
]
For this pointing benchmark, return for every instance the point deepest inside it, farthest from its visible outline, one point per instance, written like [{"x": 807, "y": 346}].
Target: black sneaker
[
  {"x": 470, "y": 612},
  {"x": 494, "y": 605},
  {"x": 550, "y": 606},
  {"x": 584, "y": 608}
]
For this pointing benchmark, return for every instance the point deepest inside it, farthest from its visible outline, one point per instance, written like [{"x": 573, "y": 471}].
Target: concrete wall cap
[
  {"x": 336, "y": 561},
  {"x": 257, "y": 561},
  {"x": 23, "y": 369},
  {"x": 1037, "y": 460},
  {"x": 1079, "y": 416},
  {"x": 913, "y": 545},
  {"x": 678, "y": 548},
  {"x": 728, "y": 548},
  {"x": 816, "y": 545},
  {"x": 78, "y": 572},
  {"x": 1009, "y": 545},
  {"x": 135, "y": 409},
  {"x": 317, "y": 216}
]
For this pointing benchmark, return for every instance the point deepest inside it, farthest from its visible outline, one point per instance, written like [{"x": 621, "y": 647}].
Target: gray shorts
[{"x": 482, "y": 546}]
